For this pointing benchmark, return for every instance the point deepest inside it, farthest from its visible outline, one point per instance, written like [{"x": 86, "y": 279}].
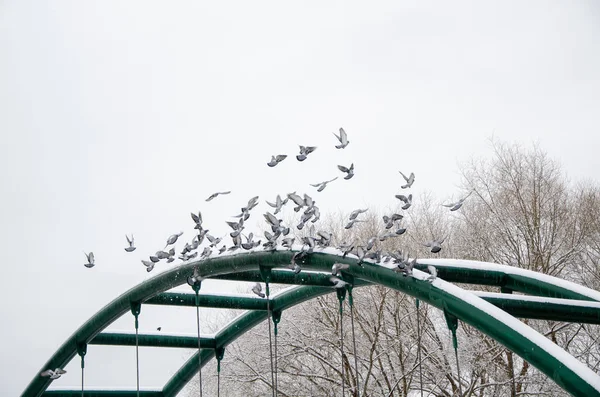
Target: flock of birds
[{"x": 279, "y": 233}]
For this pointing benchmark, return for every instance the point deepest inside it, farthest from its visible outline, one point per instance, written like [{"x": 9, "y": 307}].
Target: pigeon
[
  {"x": 351, "y": 223},
  {"x": 158, "y": 328},
  {"x": 407, "y": 200},
  {"x": 356, "y": 213},
  {"x": 343, "y": 138},
  {"x": 409, "y": 181},
  {"x": 222, "y": 249},
  {"x": 389, "y": 220},
  {"x": 173, "y": 239},
  {"x": 305, "y": 151},
  {"x": 212, "y": 196},
  {"x": 154, "y": 259},
  {"x": 162, "y": 255},
  {"x": 322, "y": 185},
  {"x": 455, "y": 206},
  {"x": 197, "y": 220},
  {"x": 253, "y": 202},
  {"x": 53, "y": 374},
  {"x": 346, "y": 248},
  {"x": 149, "y": 265},
  {"x": 337, "y": 267},
  {"x": 206, "y": 252},
  {"x": 194, "y": 278},
  {"x": 249, "y": 244},
  {"x": 131, "y": 247},
  {"x": 257, "y": 289},
  {"x": 349, "y": 171},
  {"x": 90, "y": 259},
  {"x": 214, "y": 241},
  {"x": 337, "y": 282},
  {"x": 294, "y": 265},
  {"x": 435, "y": 245},
  {"x": 385, "y": 236},
  {"x": 288, "y": 242},
  {"x": 432, "y": 273},
  {"x": 299, "y": 201},
  {"x": 371, "y": 243},
  {"x": 279, "y": 203},
  {"x": 276, "y": 160},
  {"x": 405, "y": 267}
]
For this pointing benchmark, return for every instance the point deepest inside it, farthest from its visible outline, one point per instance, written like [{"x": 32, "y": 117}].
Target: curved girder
[{"x": 467, "y": 307}]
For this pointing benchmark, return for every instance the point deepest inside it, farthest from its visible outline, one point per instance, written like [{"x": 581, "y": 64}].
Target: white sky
[{"x": 122, "y": 118}]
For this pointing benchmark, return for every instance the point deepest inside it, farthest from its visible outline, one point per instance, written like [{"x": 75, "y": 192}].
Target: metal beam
[
  {"x": 103, "y": 393},
  {"x": 150, "y": 340},
  {"x": 214, "y": 301}
]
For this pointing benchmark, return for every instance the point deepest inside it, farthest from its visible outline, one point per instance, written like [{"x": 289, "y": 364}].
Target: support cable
[
  {"x": 351, "y": 302},
  {"x": 219, "y": 352},
  {"x": 273, "y": 386},
  {"x": 276, "y": 319},
  {"x": 82, "y": 350},
  {"x": 136, "y": 307},
  {"x": 341, "y": 293},
  {"x": 452, "y": 322},
  {"x": 196, "y": 287},
  {"x": 419, "y": 347}
]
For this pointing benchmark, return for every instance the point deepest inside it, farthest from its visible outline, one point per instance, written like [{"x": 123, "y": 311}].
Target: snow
[
  {"x": 467, "y": 264},
  {"x": 568, "y": 360},
  {"x": 540, "y": 299}
]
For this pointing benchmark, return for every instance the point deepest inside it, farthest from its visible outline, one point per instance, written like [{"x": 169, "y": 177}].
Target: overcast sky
[{"x": 122, "y": 117}]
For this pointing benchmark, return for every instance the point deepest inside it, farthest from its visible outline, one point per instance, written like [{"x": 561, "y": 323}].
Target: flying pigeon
[
  {"x": 349, "y": 171},
  {"x": 321, "y": 186},
  {"x": 435, "y": 245},
  {"x": 351, "y": 223},
  {"x": 294, "y": 265},
  {"x": 158, "y": 328},
  {"x": 407, "y": 200},
  {"x": 154, "y": 259},
  {"x": 356, "y": 213},
  {"x": 409, "y": 181},
  {"x": 343, "y": 138},
  {"x": 162, "y": 255},
  {"x": 432, "y": 273},
  {"x": 257, "y": 289},
  {"x": 197, "y": 220},
  {"x": 53, "y": 374},
  {"x": 194, "y": 278},
  {"x": 149, "y": 265},
  {"x": 173, "y": 239},
  {"x": 279, "y": 203},
  {"x": 276, "y": 160},
  {"x": 90, "y": 259},
  {"x": 288, "y": 242},
  {"x": 337, "y": 267},
  {"x": 305, "y": 151},
  {"x": 131, "y": 247},
  {"x": 371, "y": 243},
  {"x": 455, "y": 206},
  {"x": 212, "y": 196}
]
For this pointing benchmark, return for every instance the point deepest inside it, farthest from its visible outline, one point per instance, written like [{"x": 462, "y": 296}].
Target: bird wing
[
  {"x": 91, "y": 257},
  {"x": 280, "y": 157},
  {"x": 47, "y": 373},
  {"x": 343, "y": 137},
  {"x": 331, "y": 180},
  {"x": 212, "y": 196},
  {"x": 343, "y": 169},
  {"x": 403, "y": 176},
  {"x": 60, "y": 371}
]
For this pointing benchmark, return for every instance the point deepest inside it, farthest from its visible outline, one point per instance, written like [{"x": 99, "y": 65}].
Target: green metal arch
[{"x": 550, "y": 359}]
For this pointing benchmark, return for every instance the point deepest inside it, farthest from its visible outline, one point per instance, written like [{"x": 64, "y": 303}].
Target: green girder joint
[
  {"x": 136, "y": 308},
  {"x": 219, "y": 353},
  {"x": 452, "y": 322},
  {"x": 276, "y": 319}
]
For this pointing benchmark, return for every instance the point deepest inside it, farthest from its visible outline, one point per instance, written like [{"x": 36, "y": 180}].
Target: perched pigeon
[
  {"x": 276, "y": 160},
  {"x": 222, "y": 249},
  {"x": 149, "y": 265},
  {"x": 173, "y": 239},
  {"x": 337, "y": 282},
  {"x": 294, "y": 265},
  {"x": 212, "y": 196},
  {"x": 53, "y": 374},
  {"x": 343, "y": 138},
  {"x": 455, "y": 206},
  {"x": 435, "y": 245},
  {"x": 407, "y": 200},
  {"x": 90, "y": 259},
  {"x": 337, "y": 267},
  {"x": 214, "y": 241},
  {"x": 249, "y": 244},
  {"x": 348, "y": 170},
  {"x": 288, "y": 242},
  {"x": 257, "y": 289},
  {"x": 432, "y": 273},
  {"x": 409, "y": 181},
  {"x": 322, "y": 185},
  {"x": 305, "y": 151},
  {"x": 356, "y": 213},
  {"x": 194, "y": 278},
  {"x": 131, "y": 247}
]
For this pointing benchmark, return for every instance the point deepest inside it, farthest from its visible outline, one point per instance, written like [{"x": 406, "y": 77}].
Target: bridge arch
[{"x": 565, "y": 370}]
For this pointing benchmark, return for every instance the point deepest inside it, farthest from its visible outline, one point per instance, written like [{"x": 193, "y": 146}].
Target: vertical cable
[
  {"x": 342, "y": 344},
  {"x": 82, "y": 365},
  {"x": 82, "y": 350},
  {"x": 275, "y": 337},
  {"x": 351, "y": 302},
  {"x": 137, "y": 356},
  {"x": 458, "y": 369},
  {"x": 270, "y": 341},
  {"x": 419, "y": 346},
  {"x": 199, "y": 347}
]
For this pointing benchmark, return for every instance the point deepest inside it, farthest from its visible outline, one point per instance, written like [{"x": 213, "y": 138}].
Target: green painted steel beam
[
  {"x": 103, "y": 393},
  {"x": 321, "y": 262},
  {"x": 282, "y": 277},
  {"x": 150, "y": 340},
  {"x": 214, "y": 301}
]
